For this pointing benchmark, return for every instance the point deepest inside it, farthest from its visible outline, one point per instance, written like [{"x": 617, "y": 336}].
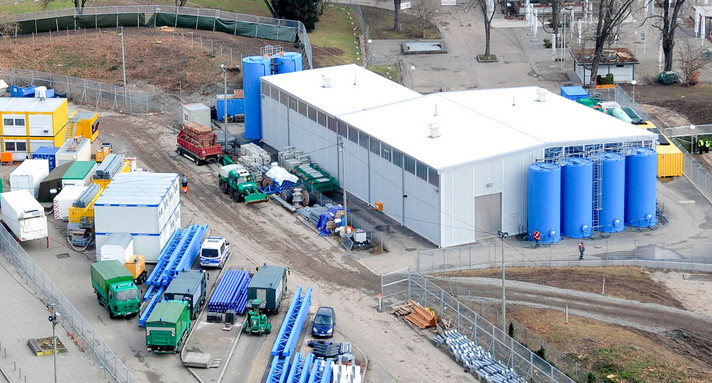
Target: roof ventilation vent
[
  {"x": 541, "y": 94},
  {"x": 434, "y": 130},
  {"x": 326, "y": 81},
  {"x": 41, "y": 92}
]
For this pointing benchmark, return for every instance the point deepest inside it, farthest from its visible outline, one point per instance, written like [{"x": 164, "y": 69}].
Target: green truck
[
  {"x": 167, "y": 327},
  {"x": 115, "y": 288}
]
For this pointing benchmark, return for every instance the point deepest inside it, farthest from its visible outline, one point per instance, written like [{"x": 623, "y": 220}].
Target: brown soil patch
[
  {"x": 621, "y": 282},
  {"x": 693, "y": 102}
]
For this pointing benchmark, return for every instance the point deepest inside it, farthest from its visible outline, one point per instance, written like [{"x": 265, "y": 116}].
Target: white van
[{"x": 214, "y": 252}]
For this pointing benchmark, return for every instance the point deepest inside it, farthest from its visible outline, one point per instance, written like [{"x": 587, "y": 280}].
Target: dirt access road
[{"x": 267, "y": 233}]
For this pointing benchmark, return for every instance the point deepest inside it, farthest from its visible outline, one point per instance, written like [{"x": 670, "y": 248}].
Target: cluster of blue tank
[
  {"x": 560, "y": 199},
  {"x": 254, "y": 67}
]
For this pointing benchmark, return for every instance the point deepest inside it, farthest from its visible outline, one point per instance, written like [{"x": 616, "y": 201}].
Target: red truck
[{"x": 198, "y": 143}]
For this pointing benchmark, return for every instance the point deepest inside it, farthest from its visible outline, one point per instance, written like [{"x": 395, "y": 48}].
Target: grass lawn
[
  {"x": 333, "y": 41},
  {"x": 250, "y": 7}
]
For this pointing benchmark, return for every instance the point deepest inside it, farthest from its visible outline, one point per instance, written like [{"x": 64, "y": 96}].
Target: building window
[
  {"x": 433, "y": 177},
  {"x": 8, "y": 121},
  {"x": 386, "y": 152},
  {"x": 375, "y": 146},
  {"x": 312, "y": 114},
  {"x": 353, "y": 134},
  {"x": 397, "y": 158},
  {"x": 19, "y": 122},
  {"x": 15, "y": 146},
  {"x": 342, "y": 129},
  {"x": 409, "y": 164},
  {"x": 363, "y": 140},
  {"x": 422, "y": 171},
  {"x": 302, "y": 108},
  {"x": 321, "y": 118},
  {"x": 283, "y": 98},
  {"x": 293, "y": 103},
  {"x": 265, "y": 89},
  {"x": 332, "y": 124}
]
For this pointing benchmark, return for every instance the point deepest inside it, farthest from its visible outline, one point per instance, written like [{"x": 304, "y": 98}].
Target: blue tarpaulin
[{"x": 325, "y": 217}]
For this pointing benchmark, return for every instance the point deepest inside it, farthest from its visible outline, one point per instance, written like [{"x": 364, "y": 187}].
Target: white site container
[
  {"x": 149, "y": 245},
  {"x": 83, "y": 179},
  {"x": 118, "y": 246},
  {"x": 23, "y": 215},
  {"x": 74, "y": 149},
  {"x": 64, "y": 200},
  {"x": 29, "y": 175},
  {"x": 137, "y": 203},
  {"x": 197, "y": 112}
]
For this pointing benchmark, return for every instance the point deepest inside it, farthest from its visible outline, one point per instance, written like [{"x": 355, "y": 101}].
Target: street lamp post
[
  {"x": 123, "y": 60},
  {"x": 412, "y": 73},
  {"x": 224, "y": 69},
  {"x": 369, "y": 53},
  {"x": 54, "y": 318},
  {"x": 502, "y": 236},
  {"x": 633, "y": 84}
]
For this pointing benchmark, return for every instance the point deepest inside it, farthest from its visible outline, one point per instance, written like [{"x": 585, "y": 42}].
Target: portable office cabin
[
  {"x": 85, "y": 124},
  {"x": 30, "y": 123},
  {"x": 79, "y": 174},
  {"x": 74, "y": 149},
  {"x": 268, "y": 285}
]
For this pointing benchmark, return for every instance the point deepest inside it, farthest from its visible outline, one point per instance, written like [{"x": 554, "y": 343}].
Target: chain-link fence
[
  {"x": 405, "y": 285},
  {"x": 680, "y": 255},
  {"x": 73, "y": 322}
]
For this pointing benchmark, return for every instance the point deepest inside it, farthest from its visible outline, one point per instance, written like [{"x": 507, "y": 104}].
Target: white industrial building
[{"x": 450, "y": 166}]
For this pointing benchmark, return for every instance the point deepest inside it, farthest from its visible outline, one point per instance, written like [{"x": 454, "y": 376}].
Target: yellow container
[{"x": 670, "y": 160}]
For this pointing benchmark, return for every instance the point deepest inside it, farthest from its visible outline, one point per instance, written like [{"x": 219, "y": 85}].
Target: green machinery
[
  {"x": 257, "y": 322},
  {"x": 316, "y": 178},
  {"x": 234, "y": 179}
]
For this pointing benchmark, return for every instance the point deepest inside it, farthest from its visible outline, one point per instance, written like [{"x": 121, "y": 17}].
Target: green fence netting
[
  {"x": 61, "y": 23},
  {"x": 234, "y": 27}
]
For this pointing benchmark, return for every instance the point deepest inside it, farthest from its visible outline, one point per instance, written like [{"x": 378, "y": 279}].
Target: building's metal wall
[{"x": 274, "y": 123}]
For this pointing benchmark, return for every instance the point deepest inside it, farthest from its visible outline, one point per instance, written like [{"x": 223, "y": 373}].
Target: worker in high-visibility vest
[
  {"x": 537, "y": 237},
  {"x": 708, "y": 143},
  {"x": 184, "y": 183},
  {"x": 700, "y": 145}
]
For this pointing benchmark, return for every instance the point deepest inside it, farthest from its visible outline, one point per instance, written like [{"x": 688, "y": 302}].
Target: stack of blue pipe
[
  {"x": 288, "y": 335},
  {"x": 231, "y": 292}
]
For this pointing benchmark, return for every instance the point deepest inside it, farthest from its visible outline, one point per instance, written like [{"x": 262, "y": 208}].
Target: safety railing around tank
[
  {"x": 303, "y": 38},
  {"x": 86, "y": 338},
  {"x": 403, "y": 285}
]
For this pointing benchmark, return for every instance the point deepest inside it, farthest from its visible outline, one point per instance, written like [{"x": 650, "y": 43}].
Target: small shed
[
  {"x": 618, "y": 61},
  {"x": 79, "y": 174},
  {"x": 198, "y": 112}
]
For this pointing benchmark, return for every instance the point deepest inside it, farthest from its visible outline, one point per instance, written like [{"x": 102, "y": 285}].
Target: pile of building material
[
  {"x": 198, "y": 135},
  {"x": 290, "y": 157},
  {"x": 316, "y": 178},
  {"x": 253, "y": 154},
  {"x": 109, "y": 167},
  {"x": 476, "y": 359},
  {"x": 230, "y": 293},
  {"x": 420, "y": 316}
]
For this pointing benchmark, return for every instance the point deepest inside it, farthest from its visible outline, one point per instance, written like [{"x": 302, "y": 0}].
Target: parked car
[{"x": 324, "y": 322}]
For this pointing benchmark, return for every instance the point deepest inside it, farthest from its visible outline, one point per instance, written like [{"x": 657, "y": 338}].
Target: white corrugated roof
[
  {"x": 352, "y": 88},
  {"x": 142, "y": 189},
  {"x": 29, "y": 104}
]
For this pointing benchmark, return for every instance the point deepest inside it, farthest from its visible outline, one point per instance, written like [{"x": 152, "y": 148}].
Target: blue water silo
[
  {"x": 640, "y": 187},
  {"x": 544, "y": 201},
  {"x": 577, "y": 197},
  {"x": 287, "y": 62},
  {"x": 612, "y": 206},
  {"x": 253, "y": 67}
]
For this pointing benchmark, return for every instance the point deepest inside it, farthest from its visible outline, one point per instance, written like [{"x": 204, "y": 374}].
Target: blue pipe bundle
[{"x": 231, "y": 292}]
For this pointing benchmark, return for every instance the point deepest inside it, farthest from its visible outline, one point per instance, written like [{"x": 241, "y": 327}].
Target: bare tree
[
  {"x": 181, "y": 3},
  {"x": 488, "y": 8},
  {"x": 322, "y": 5},
  {"x": 396, "y": 15},
  {"x": 691, "y": 62},
  {"x": 78, "y": 4},
  {"x": 667, "y": 23},
  {"x": 611, "y": 14},
  {"x": 425, "y": 12},
  {"x": 7, "y": 27}
]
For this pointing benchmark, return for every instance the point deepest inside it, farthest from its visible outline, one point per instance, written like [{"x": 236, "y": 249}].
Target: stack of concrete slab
[
  {"x": 290, "y": 157},
  {"x": 145, "y": 205},
  {"x": 252, "y": 153}
]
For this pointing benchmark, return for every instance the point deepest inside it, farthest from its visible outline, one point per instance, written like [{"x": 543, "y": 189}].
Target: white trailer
[
  {"x": 29, "y": 175},
  {"x": 23, "y": 215}
]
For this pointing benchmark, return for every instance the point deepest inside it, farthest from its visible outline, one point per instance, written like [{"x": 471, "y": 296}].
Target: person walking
[
  {"x": 537, "y": 237},
  {"x": 184, "y": 183},
  {"x": 581, "y": 248}
]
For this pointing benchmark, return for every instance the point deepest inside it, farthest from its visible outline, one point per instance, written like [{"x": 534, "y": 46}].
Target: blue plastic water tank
[
  {"x": 287, "y": 62},
  {"x": 253, "y": 67},
  {"x": 612, "y": 208},
  {"x": 544, "y": 202},
  {"x": 577, "y": 197},
  {"x": 640, "y": 187}
]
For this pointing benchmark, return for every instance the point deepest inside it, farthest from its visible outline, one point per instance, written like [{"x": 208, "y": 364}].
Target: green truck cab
[
  {"x": 167, "y": 327},
  {"x": 115, "y": 288}
]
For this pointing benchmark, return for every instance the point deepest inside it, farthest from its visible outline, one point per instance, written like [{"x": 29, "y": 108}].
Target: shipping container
[
  {"x": 23, "y": 215},
  {"x": 46, "y": 153},
  {"x": 235, "y": 106},
  {"x": 64, "y": 200},
  {"x": 268, "y": 285},
  {"x": 74, "y": 149},
  {"x": 79, "y": 174},
  {"x": 29, "y": 175},
  {"x": 197, "y": 112},
  {"x": 118, "y": 246}
]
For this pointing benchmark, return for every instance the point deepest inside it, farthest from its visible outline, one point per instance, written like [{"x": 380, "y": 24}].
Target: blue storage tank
[
  {"x": 612, "y": 208},
  {"x": 253, "y": 67},
  {"x": 235, "y": 106},
  {"x": 577, "y": 197},
  {"x": 46, "y": 153},
  {"x": 544, "y": 201},
  {"x": 287, "y": 62},
  {"x": 640, "y": 187}
]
